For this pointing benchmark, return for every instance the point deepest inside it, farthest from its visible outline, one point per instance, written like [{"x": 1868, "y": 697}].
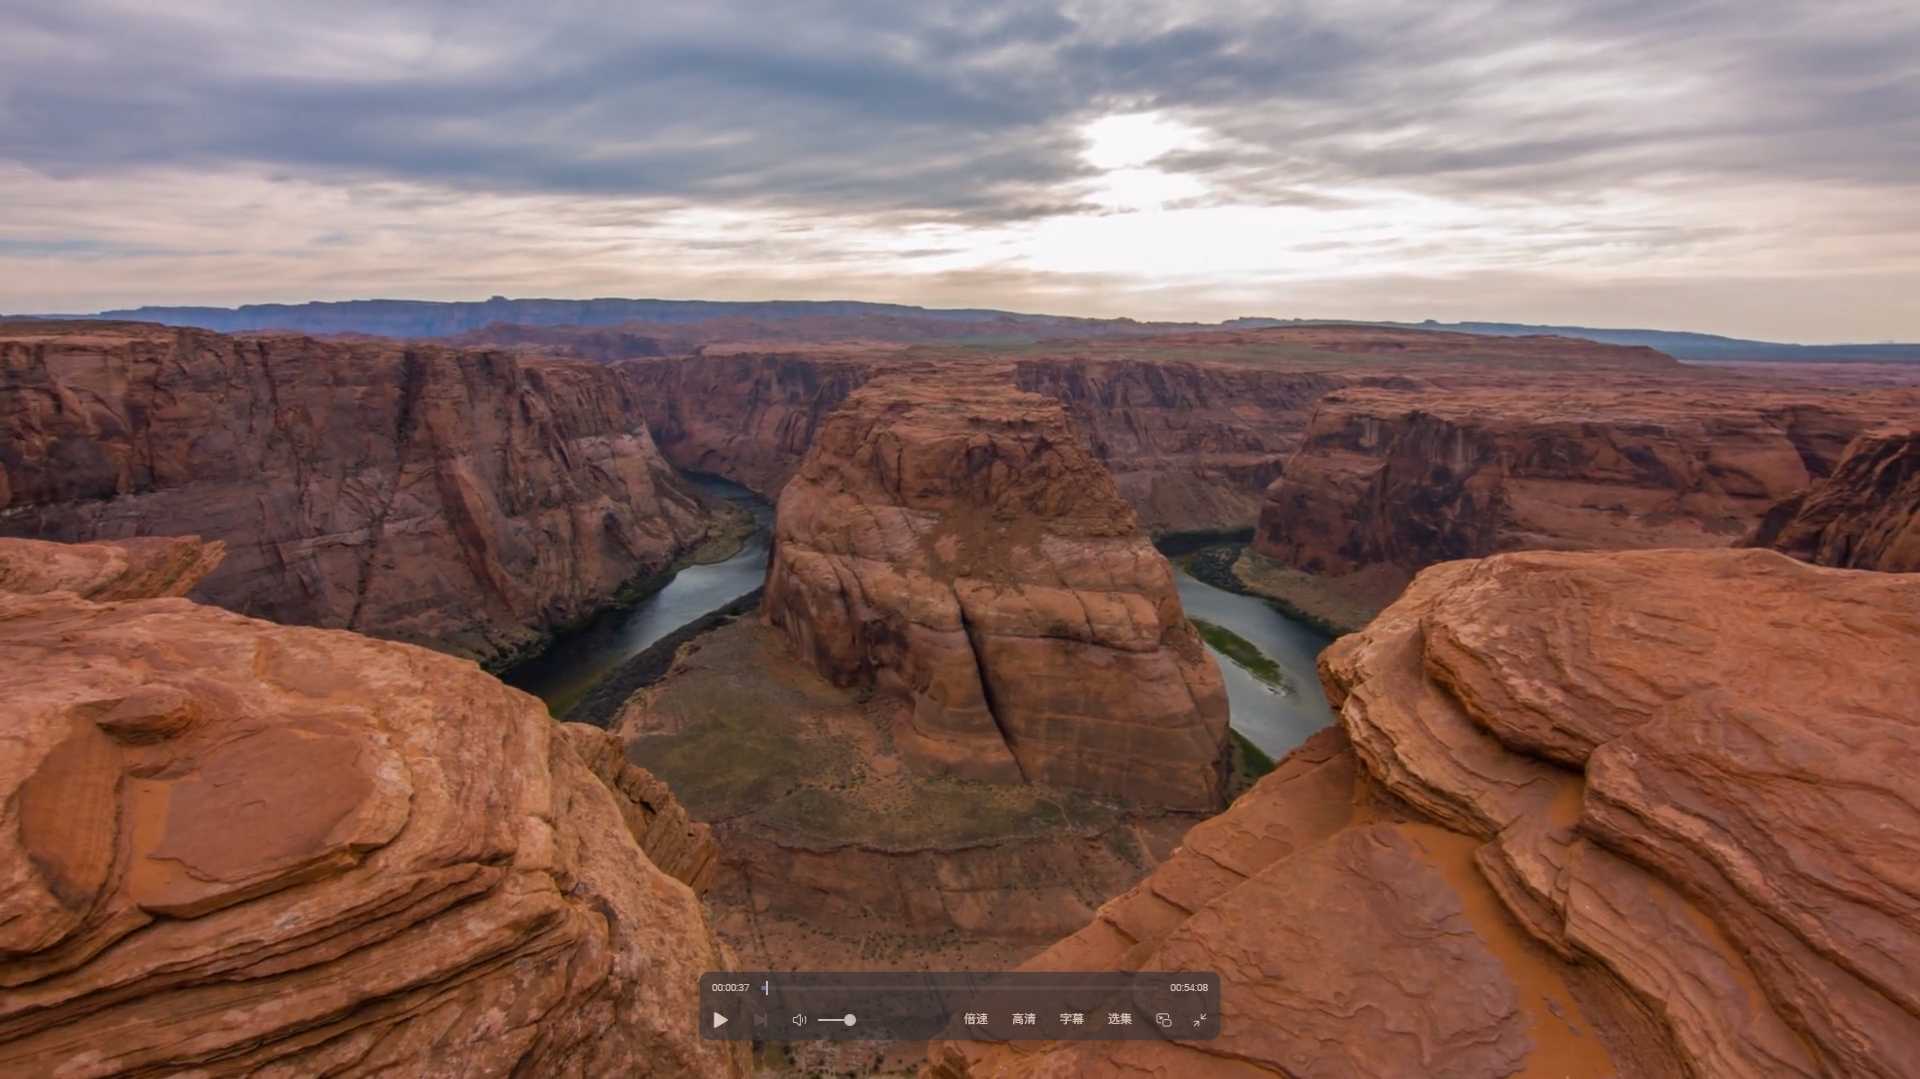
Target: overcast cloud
[{"x": 1749, "y": 166}]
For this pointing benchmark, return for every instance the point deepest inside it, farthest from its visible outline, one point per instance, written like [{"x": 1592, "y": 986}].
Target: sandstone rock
[
  {"x": 470, "y": 501},
  {"x": 1415, "y": 737},
  {"x": 1193, "y": 426},
  {"x": 1191, "y": 445},
  {"x": 681, "y": 847},
  {"x": 1342, "y": 949},
  {"x": 131, "y": 569},
  {"x": 231, "y": 847},
  {"x": 748, "y": 418},
  {"x": 836, "y": 854},
  {"x": 1866, "y": 515},
  {"x": 1459, "y": 467},
  {"x": 1721, "y": 705},
  {"x": 949, "y": 541},
  {"x": 1307, "y": 797},
  {"x": 1673, "y": 838}
]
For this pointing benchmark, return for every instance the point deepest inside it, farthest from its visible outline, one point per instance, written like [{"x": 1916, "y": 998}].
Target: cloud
[{"x": 1415, "y": 140}]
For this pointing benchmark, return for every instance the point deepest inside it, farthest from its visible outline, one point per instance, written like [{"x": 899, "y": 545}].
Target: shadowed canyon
[{"x": 1604, "y": 774}]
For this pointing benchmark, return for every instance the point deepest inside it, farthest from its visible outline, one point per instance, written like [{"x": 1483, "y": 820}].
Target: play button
[{"x": 719, "y": 1020}]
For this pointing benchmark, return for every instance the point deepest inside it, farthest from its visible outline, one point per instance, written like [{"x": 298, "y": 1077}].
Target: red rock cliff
[
  {"x": 748, "y": 418},
  {"x": 229, "y": 846},
  {"x": 950, "y": 541},
  {"x": 470, "y": 501},
  {"x": 1866, "y": 515},
  {"x": 1404, "y": 478},
  {"x": 1585, "y": 815},
  {"x": 1191, "y": 446},
  {"x": 1193, "y": 426}
]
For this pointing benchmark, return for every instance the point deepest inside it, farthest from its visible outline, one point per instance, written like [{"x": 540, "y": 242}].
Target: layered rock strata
[
  {"x": 470, "y": 501},
  {"x": 1390, "y": 480},
  {"x": 1635, "y": 814},
  {"x": 951, "y": 543},
  {"x": 679, "y": 846},
  {"x": 1191, "y": 445},
  {"x": 233, "y": 847},
  {"x": 1866, "y": 515},
  {"x": 1193, "y": 426},
  {"x": 129, "y": 569},
  {"x": 746, "y": 418}
]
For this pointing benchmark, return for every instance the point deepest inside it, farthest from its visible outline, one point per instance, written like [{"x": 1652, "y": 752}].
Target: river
[
  {"x": 565, "y": 672},
  {"x": 1273, "y": 720}
]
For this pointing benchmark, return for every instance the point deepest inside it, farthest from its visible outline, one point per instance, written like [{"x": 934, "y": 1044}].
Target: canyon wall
[
  {"x": 470, "y": 501},
  {"x": 1191, "y": 446},
  {"x": 1866, "y": 515},
  {"x": 747, "y": 418},
  {"x": 1401, "y": 478},
  {"x": 1193, "y": 426},
  {"x": 229, "y": 847},
  {"x": 1585, "y": 815},
  {"x": 950, "y": 541}
]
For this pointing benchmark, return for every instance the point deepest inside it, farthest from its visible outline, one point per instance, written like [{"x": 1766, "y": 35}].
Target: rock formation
[
  {"x": 1866, "y": 515},
  {"x": 469, "y": 501},
  {"x": 1636, "y": 814},
  {"x": 1395, "y": 479},
  {"x": 1191, "y": 445},
  {"x": 835, "y": 853},
  {"x": 746, "y": 418},
  {"x": 233, "y": 847},
  {"x": 950, "y": 542},
  {"x": 1192, "y": 426},
  {"x": 680, "y": 847},
  {"x": 130, "y": 569}
]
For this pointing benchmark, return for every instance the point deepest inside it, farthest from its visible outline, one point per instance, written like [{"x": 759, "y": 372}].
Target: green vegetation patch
[
  {"x": 1242, "y": 652},
  {"x": 1248, "y": 762}
]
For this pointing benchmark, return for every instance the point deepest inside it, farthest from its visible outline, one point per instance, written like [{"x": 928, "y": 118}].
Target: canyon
[
  {"x": 1585, "y": 814},
  {"x": 483, "y": 500},
  {"x": 471, "y": 501},
  {"x": 1192, "y": 426},
  {"x": 1590, "y": 804},
  {"x": 447, "y": 882},
  {"x": 1388, "y": 480},
  {"x": 969, "y": 708}
]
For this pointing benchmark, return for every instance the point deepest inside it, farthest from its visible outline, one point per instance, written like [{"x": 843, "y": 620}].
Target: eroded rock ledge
[
  {"x": 1636, "y": 814},
  {"x": 949, "y": 541},
  {"x": 233, "y": 847},
  {"x": 1866, "y": 515}
]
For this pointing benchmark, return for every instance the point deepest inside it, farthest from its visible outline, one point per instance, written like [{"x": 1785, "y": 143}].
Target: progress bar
[{"x": 784, "y": 1006}]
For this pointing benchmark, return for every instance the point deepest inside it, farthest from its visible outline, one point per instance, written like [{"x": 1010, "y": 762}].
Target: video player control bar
[{"x": 778, "y": 1006}]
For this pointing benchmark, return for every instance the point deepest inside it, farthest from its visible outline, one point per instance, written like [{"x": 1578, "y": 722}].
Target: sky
[{"x": 1749, "y": 167}]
